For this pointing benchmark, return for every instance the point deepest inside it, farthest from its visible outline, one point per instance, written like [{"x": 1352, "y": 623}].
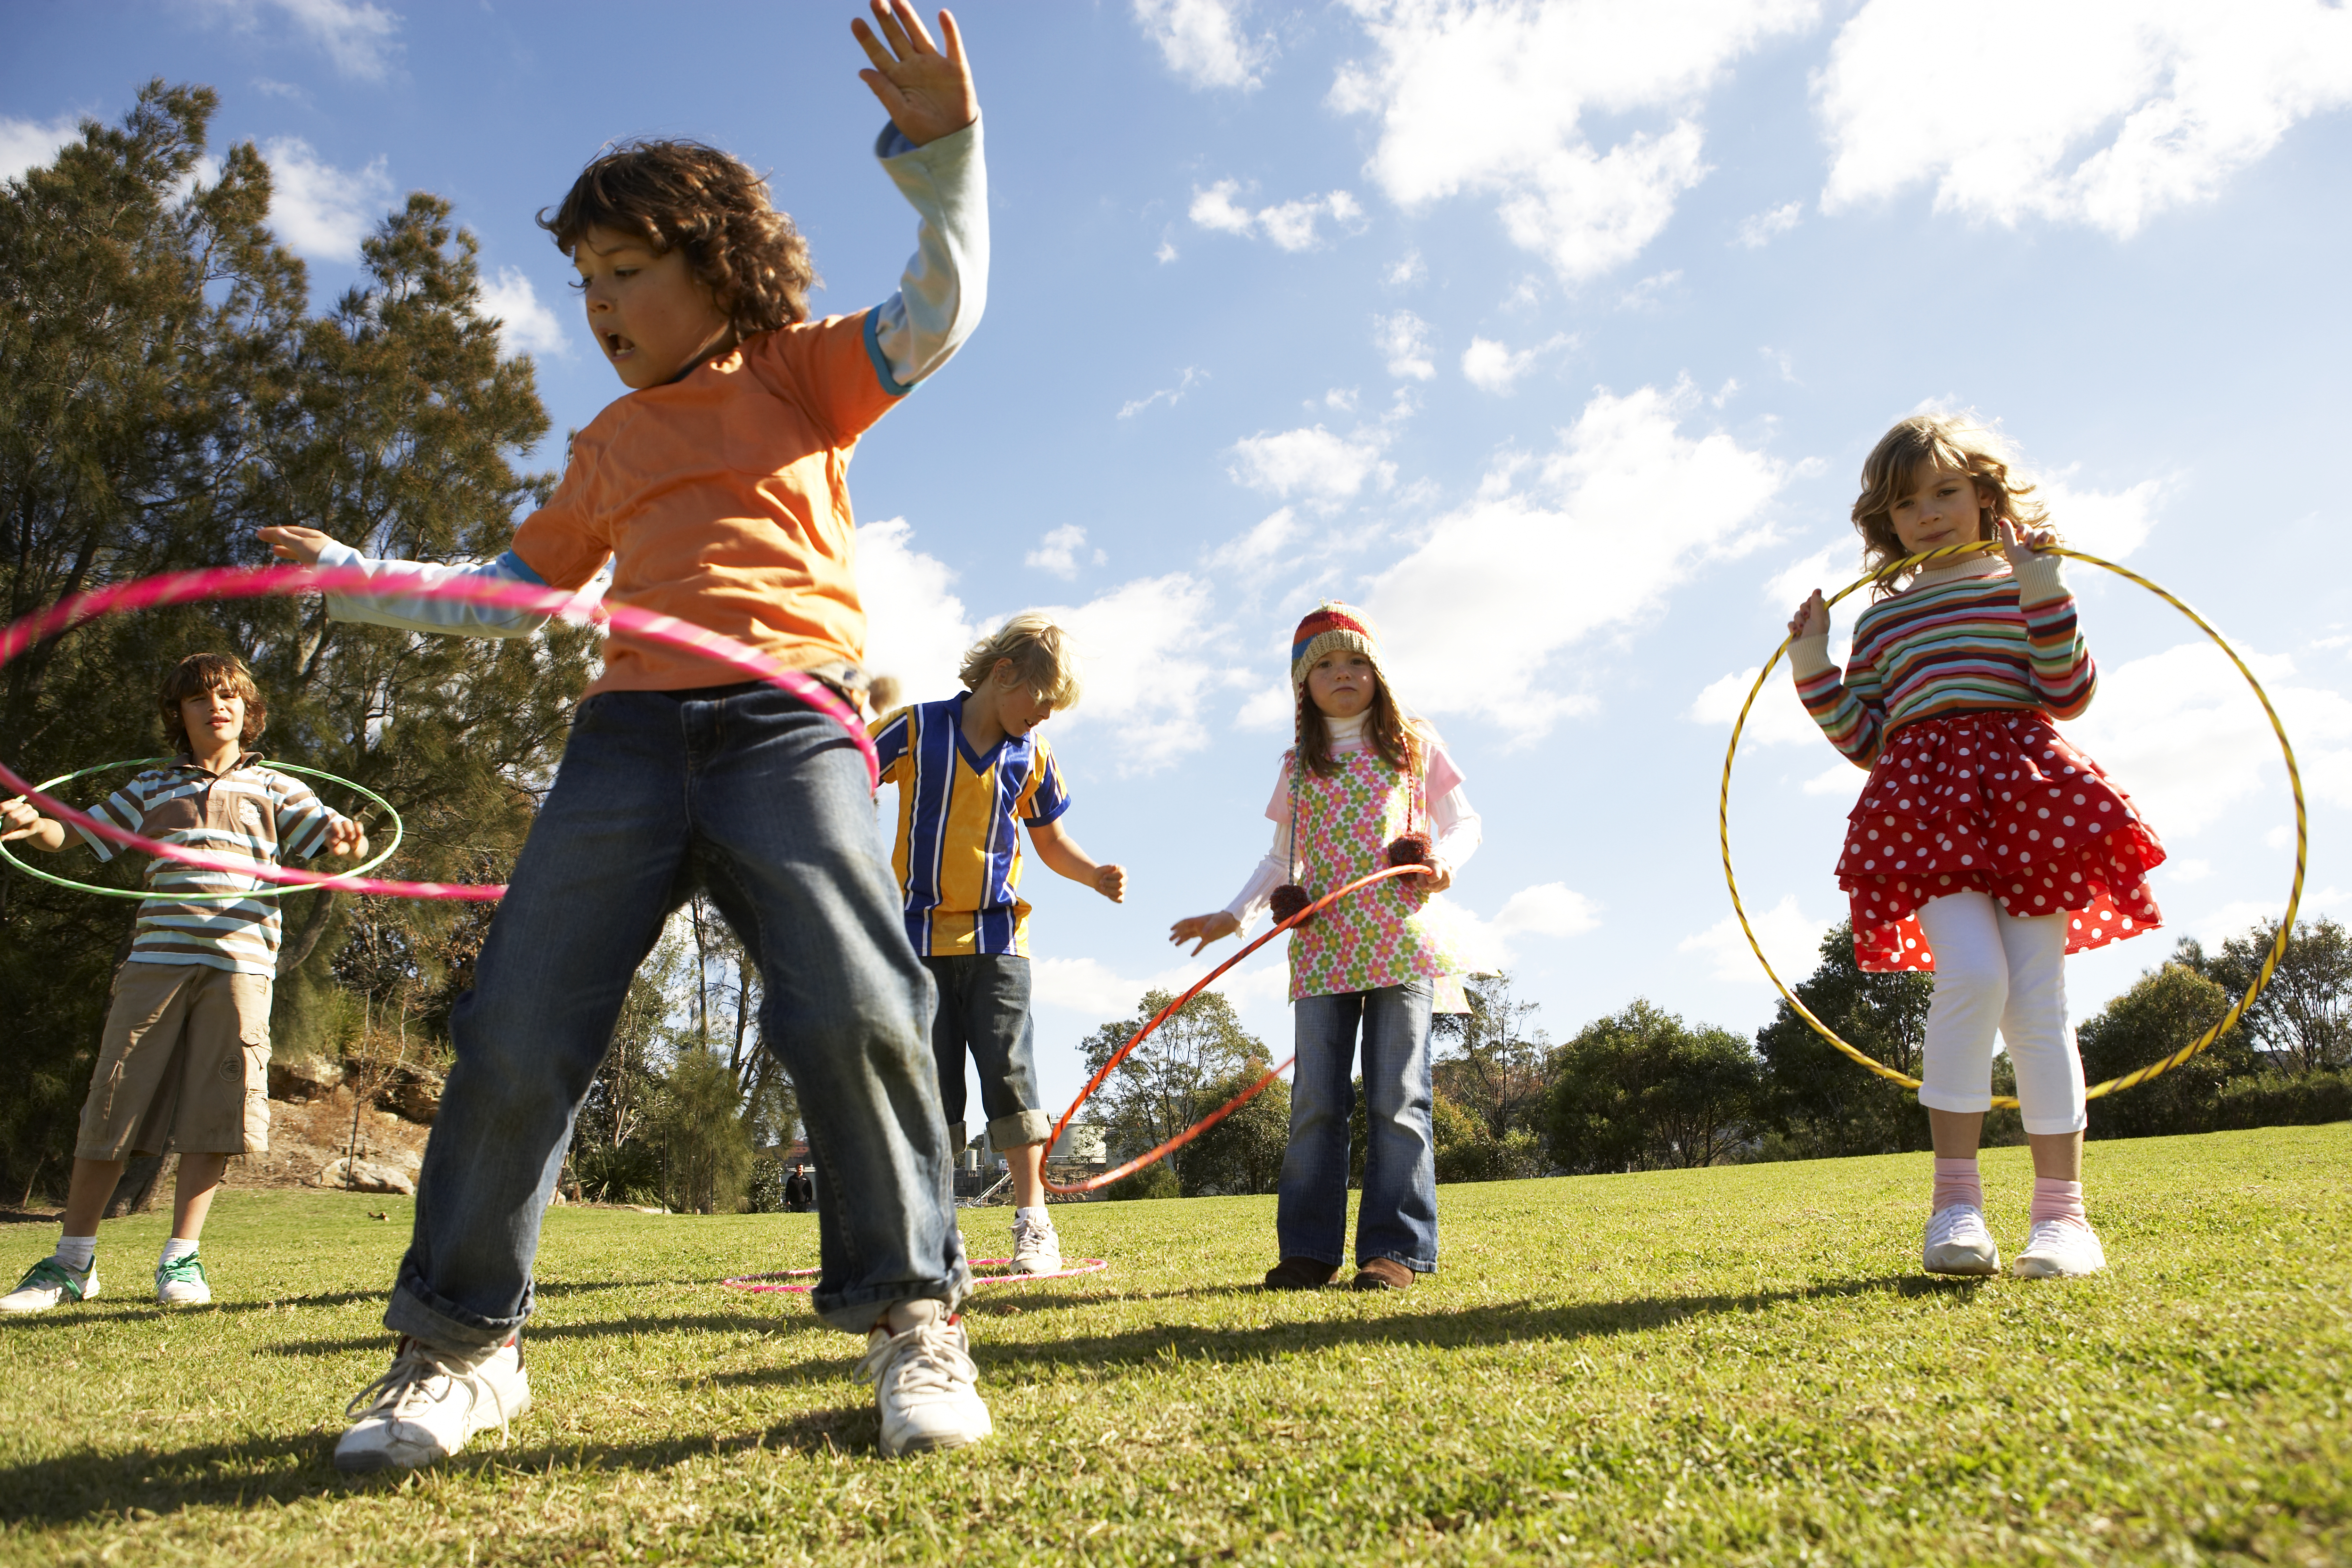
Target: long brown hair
[
  {"x": 1393, "y": 741},
  {"x": 1932, "y": 441}
]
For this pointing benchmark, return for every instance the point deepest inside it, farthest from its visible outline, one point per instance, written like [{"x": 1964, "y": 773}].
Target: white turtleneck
[{"x": 1454, "y": 826}]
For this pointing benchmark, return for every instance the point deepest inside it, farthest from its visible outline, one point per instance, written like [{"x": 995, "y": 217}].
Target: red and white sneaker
[
  {"x": 921, "y": 1369},
  {"x": 430, "y": 1404}
]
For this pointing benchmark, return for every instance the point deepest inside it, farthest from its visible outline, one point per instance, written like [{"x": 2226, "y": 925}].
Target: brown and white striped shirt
[{"x": 249, "y": 812}]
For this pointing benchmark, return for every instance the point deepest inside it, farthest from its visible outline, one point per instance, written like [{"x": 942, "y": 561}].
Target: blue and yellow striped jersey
[{"x": 957, "y": 857}]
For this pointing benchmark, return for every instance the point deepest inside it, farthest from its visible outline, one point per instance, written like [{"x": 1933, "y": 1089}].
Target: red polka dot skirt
[{"x": 1998, "y": 802}]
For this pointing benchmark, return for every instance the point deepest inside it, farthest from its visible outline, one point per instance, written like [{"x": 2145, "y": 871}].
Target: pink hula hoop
[
  {"x": 767, "y": 1282},
  {"x": 262, "y": 581}
]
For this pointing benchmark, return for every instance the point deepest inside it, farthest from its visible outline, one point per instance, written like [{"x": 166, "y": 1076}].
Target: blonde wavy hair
[
  {"x": 1930, "y": 441},
  {"x": 1045, "y": 658}
]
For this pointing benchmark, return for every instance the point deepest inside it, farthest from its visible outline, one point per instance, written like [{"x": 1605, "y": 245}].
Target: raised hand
[
  {"x": 1811, "y": 619},
  {"x": 345, "y": 836},
  {"x": 302, "y": 544},
  {"x": 2020, "y": 547},
  {"x": 1203, "y": 930},
  {"x": 928, "y": 94}
]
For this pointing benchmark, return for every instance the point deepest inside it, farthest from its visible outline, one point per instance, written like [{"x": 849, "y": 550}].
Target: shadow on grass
[{"x": 82, "y": 1486}]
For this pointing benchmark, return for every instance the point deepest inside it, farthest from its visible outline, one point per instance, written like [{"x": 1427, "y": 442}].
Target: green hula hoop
[{"x": 51, "y": 787}]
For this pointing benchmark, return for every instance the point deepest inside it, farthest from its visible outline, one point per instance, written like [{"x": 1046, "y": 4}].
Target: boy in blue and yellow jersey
[{"x": 969, "y": 771}]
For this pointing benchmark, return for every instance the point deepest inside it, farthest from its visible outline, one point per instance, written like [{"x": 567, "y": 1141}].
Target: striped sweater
[{"x": 1976, "y": 638}]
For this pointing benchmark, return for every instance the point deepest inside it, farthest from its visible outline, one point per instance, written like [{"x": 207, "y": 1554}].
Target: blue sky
[{"x": 1555, "y": 334}]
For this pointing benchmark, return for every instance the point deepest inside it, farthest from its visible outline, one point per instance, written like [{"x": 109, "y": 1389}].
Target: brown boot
[
  {"x": 1383, "y": 1274},
  {"x": 1300, "y": 1274}
]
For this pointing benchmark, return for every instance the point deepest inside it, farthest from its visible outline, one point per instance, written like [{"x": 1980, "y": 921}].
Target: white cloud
[
  {"x": 1842, "y": 779},
  {"x": 1090, "y": 986},
  {"x": 915, "y": 628},
  {"x": 319, "y": 210},
  {"x": 1171, "y": 395},
  {"x": 28, "y": 143},
  {"x": 1404, "y": 338},
  {"x": 1323, "y": 470},
  {"x": 1290, "y": 224},
  {"x": 1059, "y": 552},
  {"x": 1762, "y": 228},
  {"x": 1262, "y": 544},
  {"x": 1547, "y": 909},
  {"x": 1495, "y": 367},
  {"x": 1645, "y": 295},
  {"x": 1138, "y": 647},
  {"x": 1273, "y": 708},
  {"x": 1625, "y": 510},
  {"x": 1166, "y": 252},
  {"x": 1408, "y": 269},
  {"x": 1203, "y": 41},
  {"x": 1489, "y": 97},
  {"x": 1829, "y": 568},
  {"x": 2113, "y": 525},
  {"x": 357, "y": 36},
  {"x": 1778, "y": 719},
  {"x": 525, "y": 325},
  {"x": 1790, "y": 938},
  {"x": 2180, "y": 731},
  {"x": 2103, "y": 112}
]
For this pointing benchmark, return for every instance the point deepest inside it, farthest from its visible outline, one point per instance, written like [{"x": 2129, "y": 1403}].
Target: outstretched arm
[
  {"x": 1061, "y": 854},
  {"x": 413, "y": 612},
  {"x": 928, "y": 91},
  {"x": 18, "y": 820}
]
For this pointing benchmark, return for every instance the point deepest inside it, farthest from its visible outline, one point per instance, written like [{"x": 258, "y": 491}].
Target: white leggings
[{"x": 1994, "y": 970}]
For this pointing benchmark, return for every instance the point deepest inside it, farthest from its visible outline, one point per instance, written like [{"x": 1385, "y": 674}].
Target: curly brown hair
[
  {"x": 200, "y": 673},
  {"x": 1931, "y": 441},
  {"x": 675, "y": 195}
]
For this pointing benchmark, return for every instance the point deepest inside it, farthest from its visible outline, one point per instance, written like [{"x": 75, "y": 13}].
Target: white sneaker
[
  {"x": 181, "y": 1282},
  {"x": 50, "y": 1283},
  {"x": 923, "y": 1376},
  {"x": 2060, "y": 1249},
  {"x": 430, "y": 1403},
  {"x": 1036, "y": 1248},
  {"x": 1958, "y": 1243}
]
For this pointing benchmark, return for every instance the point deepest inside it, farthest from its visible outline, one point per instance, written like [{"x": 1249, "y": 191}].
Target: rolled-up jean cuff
[
  {"x": 1418, "y": 1265},
  {"x": 1939, "y": 1100},
  {"x": 1018, "y": 1132},
  {"x": 858, "y": 1311},
  {"x": 416, "y": 1312}
]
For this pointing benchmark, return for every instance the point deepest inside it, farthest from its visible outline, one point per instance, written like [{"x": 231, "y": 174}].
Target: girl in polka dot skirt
[
  {"x": 1364, "y": 779},
  {"x": 1985, "y": 847}
]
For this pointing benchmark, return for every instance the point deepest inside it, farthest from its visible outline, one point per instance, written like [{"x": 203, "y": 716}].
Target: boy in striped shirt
[
  {"x": 184, "y": 1060},
  {"x": 970, "y": 771}
]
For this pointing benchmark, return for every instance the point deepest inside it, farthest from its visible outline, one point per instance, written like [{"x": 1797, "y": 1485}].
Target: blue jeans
[
  {"x": 1397, "y": 1217},
  {"x": 984, "y": 1010},
  {"x": 765, "y": 804}
]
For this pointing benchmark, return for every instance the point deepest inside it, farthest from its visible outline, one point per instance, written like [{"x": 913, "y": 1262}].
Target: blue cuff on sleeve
[
  {"x": 890, "y": 384},
  {"x": 513, "y": 565}
]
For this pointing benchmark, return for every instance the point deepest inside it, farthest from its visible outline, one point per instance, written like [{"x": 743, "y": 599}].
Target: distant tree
[
  {"x": 1467, "y": 1149},
  {"x": 2161, "y": 1012},
  {"x": 1814, "y": 1097},
  {"x": 1242, "y": 1153},
  {"x": 1641, "y": 1090},
  {"x": 1490, "y": 1062},
  {"x": 707, "y": 1150},
  {"x": 2302, "y": 1019},
  {"x": 1173, "y": 1080}
]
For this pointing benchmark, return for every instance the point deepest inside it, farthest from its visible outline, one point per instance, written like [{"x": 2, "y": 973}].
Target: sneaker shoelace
[
  {"x": 49, "y": 1271},
  {"x": 414, "y": 1367},
  {"x": 1954, "y": 1222},
  {"x": 929, "y": 1357},
  {"x": 181, "y": 1271}
]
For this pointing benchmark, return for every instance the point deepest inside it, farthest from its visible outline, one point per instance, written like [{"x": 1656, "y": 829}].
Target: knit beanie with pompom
[{"x": 1331, "y": 627}]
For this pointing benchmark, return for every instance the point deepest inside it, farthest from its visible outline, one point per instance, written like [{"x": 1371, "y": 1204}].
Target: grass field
[{"x": 1731, "y": 1365}]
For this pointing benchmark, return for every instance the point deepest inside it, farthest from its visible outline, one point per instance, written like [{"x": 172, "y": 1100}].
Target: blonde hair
[
  {"x": 1043, "y": 656},
  {"x": 1954, "y": 441}
]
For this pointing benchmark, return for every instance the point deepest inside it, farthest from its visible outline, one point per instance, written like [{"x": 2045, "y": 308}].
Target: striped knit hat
[{"x": 1329, "y": 627}]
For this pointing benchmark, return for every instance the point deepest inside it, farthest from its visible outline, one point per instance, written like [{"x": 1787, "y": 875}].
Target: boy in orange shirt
[{"x": 716, "y": 489}]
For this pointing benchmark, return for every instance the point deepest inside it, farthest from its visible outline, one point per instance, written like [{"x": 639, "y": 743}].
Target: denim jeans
[
  {"x": 984, "y": 1009},
  {"x": 1397, "y": 1217},
  {"x": 765, "y": 803}
]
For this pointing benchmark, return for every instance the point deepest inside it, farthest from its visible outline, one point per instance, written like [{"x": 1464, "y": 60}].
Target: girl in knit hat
[{"x": 1363, "y": 779}]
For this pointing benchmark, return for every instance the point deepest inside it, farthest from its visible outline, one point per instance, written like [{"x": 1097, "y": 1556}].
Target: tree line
[{"x": 1642, "y": 1090}]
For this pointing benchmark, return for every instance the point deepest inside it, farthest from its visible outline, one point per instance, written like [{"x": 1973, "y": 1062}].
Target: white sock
[
  {"x": 1030, "y": 1216},
  {"x": 77, "y": 1252},
  {"x": 175, "y": 1249}
]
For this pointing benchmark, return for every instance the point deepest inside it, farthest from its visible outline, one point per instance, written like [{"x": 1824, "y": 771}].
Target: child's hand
[
  {"x": 1811, "y": 619},
  {"x": 1203, "y": 930},
  {"x": 1440, "y": 878},
  {"x": 302, "y": 544},
  {"x": 345, "y": 836},
  {"x": 928, "y": 94},
  {"x": 1110, "y": 881},
  {"x": 19, "y": 820},
  {"x": 2020, "y": 547}
]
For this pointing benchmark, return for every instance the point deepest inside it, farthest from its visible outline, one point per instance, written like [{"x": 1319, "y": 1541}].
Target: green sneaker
[
  {"x": 181, "y": 1282},
  {"x": 50, "y": 1283}
]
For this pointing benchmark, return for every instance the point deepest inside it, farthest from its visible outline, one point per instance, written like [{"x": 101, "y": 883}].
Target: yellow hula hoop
[{"x": 2294, "y": 779}]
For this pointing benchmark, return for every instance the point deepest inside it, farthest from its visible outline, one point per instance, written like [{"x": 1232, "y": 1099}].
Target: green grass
[{"x": 1732, "y": 1365}]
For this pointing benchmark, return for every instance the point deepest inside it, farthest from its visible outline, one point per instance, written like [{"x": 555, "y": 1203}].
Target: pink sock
[
  {"x": 2058, "y": 1200},
  {"x": 1956, "y": 1182}
]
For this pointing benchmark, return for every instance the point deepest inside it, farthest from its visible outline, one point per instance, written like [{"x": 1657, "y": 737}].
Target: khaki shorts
[{"x": 184, "y": 1065}]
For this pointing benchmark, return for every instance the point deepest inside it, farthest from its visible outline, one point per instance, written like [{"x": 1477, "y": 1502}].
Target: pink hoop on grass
[
  {"x": 762, "y": 1281},
  {"x": 254, "y": 582}
]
